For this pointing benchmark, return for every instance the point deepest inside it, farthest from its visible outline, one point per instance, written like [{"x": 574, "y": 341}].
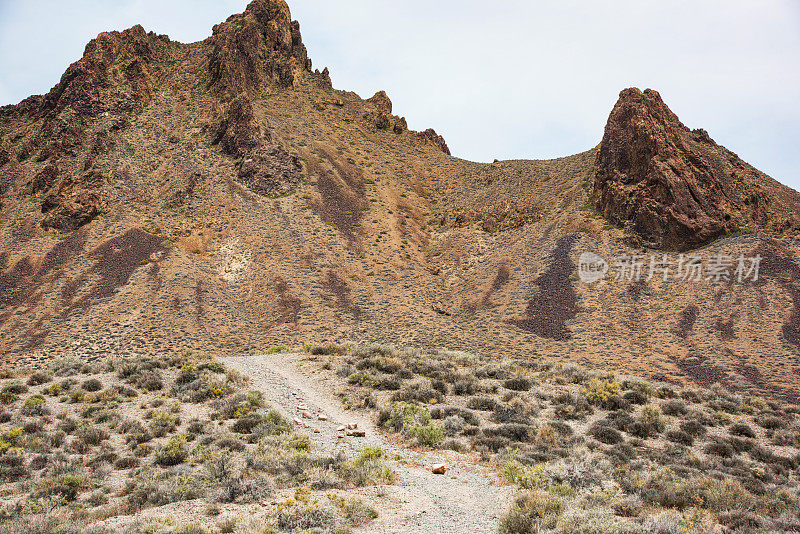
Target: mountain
[{"x": 223, "y": 196}]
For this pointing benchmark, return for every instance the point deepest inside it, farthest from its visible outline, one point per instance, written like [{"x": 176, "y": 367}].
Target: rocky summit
[{"x": 223, "y": 196}]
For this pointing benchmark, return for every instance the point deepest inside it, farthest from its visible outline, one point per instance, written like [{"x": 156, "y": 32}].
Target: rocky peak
[
  {"x": 260, "y": 46},
  {"x": 113, "y": 74},
  {"x": 676, "y": 188}
]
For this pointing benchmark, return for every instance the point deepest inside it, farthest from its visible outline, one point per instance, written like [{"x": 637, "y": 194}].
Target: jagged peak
[
  {"x": 674, "y": 187},
  {"x": 260, "y": 46}
]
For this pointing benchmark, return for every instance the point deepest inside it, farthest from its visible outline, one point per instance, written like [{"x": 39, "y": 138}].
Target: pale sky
[{"x": 506, "y": 79}]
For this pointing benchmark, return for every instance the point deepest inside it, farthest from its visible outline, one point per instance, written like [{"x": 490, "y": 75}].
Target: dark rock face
[
  {"x": 674, "y": 187},
  {"x": 240, "y": 132},
  {"x": 69, "y": 214},
  {"x": 265, "y": 168},
  {"x": 271, "y": 171},
  {"x": 258, "y": 47},
  {"x": 430, "y": 136}
]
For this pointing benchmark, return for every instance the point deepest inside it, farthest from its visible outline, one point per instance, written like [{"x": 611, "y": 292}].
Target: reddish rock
[
  {"x": 439, "y": 469},
  {"x": 259, "y": 47},
  {"x": 675, "y": 187}
]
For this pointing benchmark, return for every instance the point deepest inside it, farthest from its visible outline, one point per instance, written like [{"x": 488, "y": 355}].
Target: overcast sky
[{"x": 506, "y": 79}]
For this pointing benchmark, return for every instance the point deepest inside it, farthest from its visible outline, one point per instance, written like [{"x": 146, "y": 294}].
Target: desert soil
[{"x": 468, "y": 498}]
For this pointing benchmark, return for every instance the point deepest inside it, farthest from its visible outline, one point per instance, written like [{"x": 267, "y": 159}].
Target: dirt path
[{"x": 468, "y": 498}]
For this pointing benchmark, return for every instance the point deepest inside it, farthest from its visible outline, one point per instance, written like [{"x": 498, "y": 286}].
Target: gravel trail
[{"x": 467, "y": 499}]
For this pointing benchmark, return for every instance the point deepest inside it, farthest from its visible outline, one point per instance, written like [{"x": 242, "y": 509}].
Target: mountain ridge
[{"x": 223, "y": 195}]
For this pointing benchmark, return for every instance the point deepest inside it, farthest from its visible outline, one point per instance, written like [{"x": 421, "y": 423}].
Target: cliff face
[
  {"x": 223, "y": 196},
  {"x": 675, "y": 187}
]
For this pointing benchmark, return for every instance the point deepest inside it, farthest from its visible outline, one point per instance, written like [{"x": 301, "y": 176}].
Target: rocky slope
[{"x": 222, "y": 195}]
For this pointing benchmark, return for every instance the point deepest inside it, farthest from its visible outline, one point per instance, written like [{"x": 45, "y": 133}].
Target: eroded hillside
[{"x": 222, "y": 195}]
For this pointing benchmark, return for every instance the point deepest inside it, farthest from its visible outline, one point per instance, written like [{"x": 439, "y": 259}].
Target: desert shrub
[
  {"x": 66, "y": 486},
  {"x": 162, "y": 423},
  {"x": 423, "y": 393},
  {"x": 492, "y": 371},
  {"x": 355, "y": 511},
  {"x": 693, "y": 427},
  {"x": 413, "y": 421},
  {"x": 12, "y": 466},
  {"x": 786, "y": 437},
  {"x": 188, "y": 373},
  {"x": 92, "y": 384},
  {"x": 13, "y": 390},
  {"x": 606, "y": 434},
  {"x": 465, "y": 387},
  {"x": 770, "y": 422},
  {"x": 157, "y": 488},
  {"x": 641, "y": 386},
  {"x": 668, "y": 522},
  {"x": 741, "y": 429},
  {"x": 740, "y": 444},
  {"x": 173, "y": 453},
  {"x": 719, "y": 448},
  {"x": 39, "y": 377},
  {"x": 680, "y": 436},
  {"x": 511, "y": 431},
  {"x": 674, "y": 407},
  {"x": 126, "y": 462},
  {"x": 305, "y": 518},
  {"x": 327, "y": 349},
  {"x": 428, "y": 435},
  {"x": 143, "y": 373},
  {"x": 647, "y": 424},
  {"x": 92, "y": 435},
  {"x": 440, "y": 386},
  {"x": 531, "y": 512},
  {"x": 231, "y": 444},
  {"x": 247, "y": 423},
  {"x": 245, "y": 490},
  {"x": 453, "y": 425},
  {"x": 35, "y": 405},
  {"x": 603, "y": 393},
  {"x": 212, "y": 366},
  {"x": 276, "y": 349},
  {"x": 635, "y": 397},
  {"x": 273, "y": 424},
  {"x": 572, "y": 405},
  {"x": 518, "y": 383},
  {"x": 482, "y": 403}
]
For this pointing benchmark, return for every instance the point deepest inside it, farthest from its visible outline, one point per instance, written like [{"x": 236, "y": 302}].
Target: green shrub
[
  {"x": 174, "y": 452},
  {"x": 531, "y": 512},
  {"x": 430, "y": 435},
  {"x": 34, "y": 405}
]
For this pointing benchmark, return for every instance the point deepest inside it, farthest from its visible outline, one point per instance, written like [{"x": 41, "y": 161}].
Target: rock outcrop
[
  {"x": 264, "y": 167},
  {"x": 676, "y": 188},
  {"x": 430, "y": 136},
  {"x": 256, "y": 48},
  {"x": 379, "y": 114}
]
